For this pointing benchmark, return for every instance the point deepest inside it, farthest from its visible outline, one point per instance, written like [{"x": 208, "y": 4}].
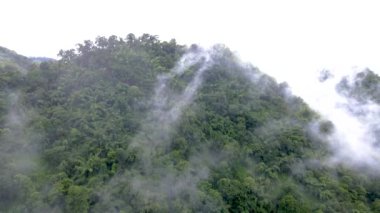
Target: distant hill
[
  {"x": 41, "y": 59},
  {"x": 11, "y": 57}
]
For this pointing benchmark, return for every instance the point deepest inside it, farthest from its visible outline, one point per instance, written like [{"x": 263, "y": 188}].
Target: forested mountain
[{"x": 143, "y": 125}]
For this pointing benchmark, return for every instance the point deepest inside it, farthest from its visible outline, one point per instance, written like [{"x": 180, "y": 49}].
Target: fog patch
[
  {"x": 353, "y": 134},
  {"x": 154, "y": 179},
  {"x": 16, "y": 141}
]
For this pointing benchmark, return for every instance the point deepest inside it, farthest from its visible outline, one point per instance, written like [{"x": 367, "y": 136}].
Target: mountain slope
[
  {"x": 11, "y": 58},
  {"x": 143, "y": 125}
]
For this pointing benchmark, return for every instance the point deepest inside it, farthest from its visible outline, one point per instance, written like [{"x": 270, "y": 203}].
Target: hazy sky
[{"x": 280, "y": 37}]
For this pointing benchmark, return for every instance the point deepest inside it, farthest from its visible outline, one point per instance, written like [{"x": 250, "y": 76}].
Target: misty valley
[{"x": 137, "y": 124}]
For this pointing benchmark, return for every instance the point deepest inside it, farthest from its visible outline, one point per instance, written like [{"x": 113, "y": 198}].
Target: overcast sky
[{"x": 282, "y": 38}]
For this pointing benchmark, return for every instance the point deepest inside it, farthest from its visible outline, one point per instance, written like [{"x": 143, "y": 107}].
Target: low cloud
[{"x": 354, "y": 139}]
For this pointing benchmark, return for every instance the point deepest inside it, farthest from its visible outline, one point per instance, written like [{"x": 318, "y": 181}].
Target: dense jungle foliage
[{"x": 241, "y": 145}]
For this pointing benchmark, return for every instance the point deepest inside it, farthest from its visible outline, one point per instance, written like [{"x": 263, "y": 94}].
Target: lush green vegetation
[
  {"x": 364, "y": 86},
  {"x": 66, "y": 129},
  {"x": 11, "y": 58}
]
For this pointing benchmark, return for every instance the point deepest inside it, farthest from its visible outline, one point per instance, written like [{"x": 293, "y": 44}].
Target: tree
[
  {"x": 77, "y": 199},
  {"x": 289, "y": 204}
]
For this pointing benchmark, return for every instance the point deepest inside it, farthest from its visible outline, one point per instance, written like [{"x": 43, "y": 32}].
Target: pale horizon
[{"x": 272, "y": 35}]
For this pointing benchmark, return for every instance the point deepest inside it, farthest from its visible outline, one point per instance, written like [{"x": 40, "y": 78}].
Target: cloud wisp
[
  {"x": 354, "y": 140},
  {"x": 155, "y": 182}
]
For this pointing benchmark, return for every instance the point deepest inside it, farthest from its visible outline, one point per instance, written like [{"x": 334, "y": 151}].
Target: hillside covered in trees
[{"x": 143, "y": 125}]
